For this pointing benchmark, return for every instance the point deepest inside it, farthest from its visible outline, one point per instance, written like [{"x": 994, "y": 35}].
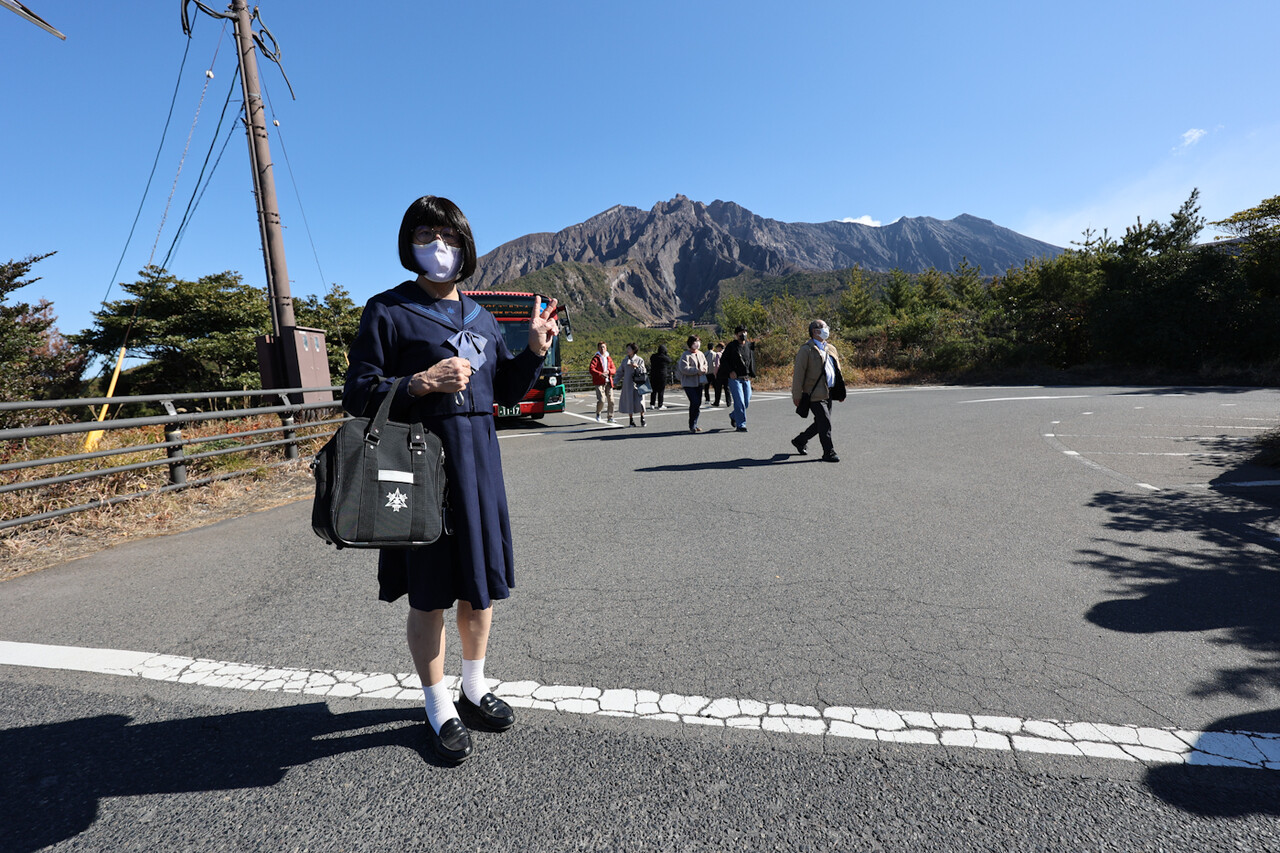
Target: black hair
[
  {"x": 436, "y": 212},
  {"x": 634, "y": 349},
  {"x": 692, "y": 338},
  {"x": 662, "y": 348}
]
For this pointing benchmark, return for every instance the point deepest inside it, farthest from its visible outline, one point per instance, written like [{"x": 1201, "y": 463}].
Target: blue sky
[{"x": 1045, "y": 118}]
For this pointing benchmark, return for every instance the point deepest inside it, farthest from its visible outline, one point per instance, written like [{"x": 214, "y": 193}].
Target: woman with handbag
[
  {"x": 633, "y": 384},
  {"x": 458, "y": 365},
  {"x": 692, "y": 370}
]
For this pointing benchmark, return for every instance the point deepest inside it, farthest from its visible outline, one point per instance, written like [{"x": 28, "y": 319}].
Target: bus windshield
[
  {"x": 516, "y": 334},
  {"x": 512, "y": 311}
]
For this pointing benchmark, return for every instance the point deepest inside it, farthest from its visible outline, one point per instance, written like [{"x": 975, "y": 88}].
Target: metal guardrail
[
  {"x": 174, "y": 445},
  {"x": 577, "y": 381},
  {"x": 581, "y": 380}
]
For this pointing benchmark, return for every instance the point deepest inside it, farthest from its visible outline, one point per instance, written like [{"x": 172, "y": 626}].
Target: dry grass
[
  {"x": 259, "y": 482},
  {"x": 31, "y": 548}
]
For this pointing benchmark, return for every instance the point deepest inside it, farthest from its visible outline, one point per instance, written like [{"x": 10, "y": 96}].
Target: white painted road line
[
  {"x": 1144, "y": 744},
  {"x": 1019, "y": 399}
]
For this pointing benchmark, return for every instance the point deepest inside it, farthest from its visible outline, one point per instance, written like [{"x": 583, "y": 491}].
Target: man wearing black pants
[{"x": 817, "y": 376}]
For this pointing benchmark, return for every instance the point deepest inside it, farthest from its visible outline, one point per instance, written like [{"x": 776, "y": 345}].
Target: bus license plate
[{"x": 509, "y": 411}]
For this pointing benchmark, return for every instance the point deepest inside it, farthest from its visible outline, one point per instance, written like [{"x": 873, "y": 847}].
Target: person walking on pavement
[
  {"x": 692, "y": 370},
  {"x": 633, "y": 381},
  {"x": 738, "y": 366},
  {"x": 713, "y": 374},
  {"x": 659, "y": 364},
  {"x": 817, "y": 375},
  {"x": 602, "y": 372},
  {"x": 459, "y": 365}
]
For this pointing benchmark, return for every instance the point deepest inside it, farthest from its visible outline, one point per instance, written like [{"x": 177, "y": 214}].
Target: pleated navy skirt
[{"x": 475, "y": 561}]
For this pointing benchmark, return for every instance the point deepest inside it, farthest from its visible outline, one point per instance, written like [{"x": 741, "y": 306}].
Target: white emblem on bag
[{"x": 397, "y": 500}]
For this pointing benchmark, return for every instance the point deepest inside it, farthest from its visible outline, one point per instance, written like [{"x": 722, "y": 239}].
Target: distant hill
[{"x": 669, "y": 262}]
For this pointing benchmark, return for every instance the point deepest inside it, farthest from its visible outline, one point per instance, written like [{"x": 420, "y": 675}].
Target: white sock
[
  {"x": 473, "y": 683},
  {"x": 439, "y": 702}
]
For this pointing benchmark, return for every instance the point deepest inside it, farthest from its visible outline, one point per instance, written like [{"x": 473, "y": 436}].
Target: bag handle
[{"x": 374, "y": 433}]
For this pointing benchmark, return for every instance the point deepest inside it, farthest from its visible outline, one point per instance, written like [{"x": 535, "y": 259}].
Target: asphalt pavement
[{"x": 1008, "y": 619}]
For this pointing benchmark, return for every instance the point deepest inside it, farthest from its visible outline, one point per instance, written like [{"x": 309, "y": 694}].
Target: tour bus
[{"x": 512, "y": 311}]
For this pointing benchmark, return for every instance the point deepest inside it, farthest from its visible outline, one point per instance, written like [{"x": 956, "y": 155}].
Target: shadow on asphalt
[
  {"x": 1230, "y": 587},
  {"x": 725, "y": 464},
  {"x": 55, "y": 775},
  {"x": 1188, "y": 390},
  {"x": 1222, "y": 791}
]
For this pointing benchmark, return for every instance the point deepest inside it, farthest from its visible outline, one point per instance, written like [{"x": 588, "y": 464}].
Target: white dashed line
[{"x": 1143, "y": 744}]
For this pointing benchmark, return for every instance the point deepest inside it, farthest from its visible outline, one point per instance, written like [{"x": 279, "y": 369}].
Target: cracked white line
[{"x": 1144, "y": 744}]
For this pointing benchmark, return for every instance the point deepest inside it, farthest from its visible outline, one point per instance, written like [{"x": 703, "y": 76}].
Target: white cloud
[
  {"x": 1192, "y": 136},
  {"x": 1231, "y": 177},
  {"x": 863, "y": 220}
]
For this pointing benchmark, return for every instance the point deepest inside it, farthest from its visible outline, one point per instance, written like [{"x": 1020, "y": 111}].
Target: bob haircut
[
  {"x": 436, "y": 212},
  {"x": 692, "y": 338}
]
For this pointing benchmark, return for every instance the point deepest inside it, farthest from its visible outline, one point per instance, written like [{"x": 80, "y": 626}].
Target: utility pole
[
  {"x": 290, "y": 357},
  {"x": 264, "y": 184}
]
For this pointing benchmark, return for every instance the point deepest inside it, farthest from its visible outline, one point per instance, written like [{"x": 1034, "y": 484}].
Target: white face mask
[
  {"x": 823, "y": 333},
  {"x": 439, "y": 262}
]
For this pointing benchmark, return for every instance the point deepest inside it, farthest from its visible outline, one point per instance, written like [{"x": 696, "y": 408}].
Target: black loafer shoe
[
  {"x": 492, "y": 711},
  {"x": 799, "y": 446},
  {"x": 452, "y": 743},
  {"x": 830, "y": 456}
]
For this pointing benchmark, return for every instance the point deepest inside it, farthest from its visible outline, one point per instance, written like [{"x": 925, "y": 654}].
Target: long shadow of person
[
  {"x": 720, "y": 464},
  {"x": 55, "y": 775}
]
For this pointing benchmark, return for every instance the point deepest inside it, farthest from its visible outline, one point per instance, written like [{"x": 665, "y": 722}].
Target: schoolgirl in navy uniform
[{"x": 459, "y": 365}]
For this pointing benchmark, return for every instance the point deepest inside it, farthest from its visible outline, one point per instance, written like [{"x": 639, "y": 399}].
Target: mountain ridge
[{"x": 666, "y": 263}]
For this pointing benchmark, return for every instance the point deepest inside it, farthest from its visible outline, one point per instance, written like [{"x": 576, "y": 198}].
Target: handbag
[
  {"x": 802, "y": 409},
  {"x": 379, "y": 483}
]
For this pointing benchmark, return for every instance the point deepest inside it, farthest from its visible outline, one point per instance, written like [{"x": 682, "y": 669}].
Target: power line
[
  {"x": 296, "y": 194},
  {"x": 147, "y": 189},
  {"x": 230, "y": 133},
  {"x": 196, "y": 191}
]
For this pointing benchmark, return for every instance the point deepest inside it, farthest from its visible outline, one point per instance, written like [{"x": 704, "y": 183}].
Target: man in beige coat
[{"x": 817, "y": 374}]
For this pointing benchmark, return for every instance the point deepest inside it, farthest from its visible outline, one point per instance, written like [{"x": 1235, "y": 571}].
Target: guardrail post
[
  {"x": 287, "y": 419},
  {"x": 177, "y": 468},
  {"x": 173, "y": 432}
]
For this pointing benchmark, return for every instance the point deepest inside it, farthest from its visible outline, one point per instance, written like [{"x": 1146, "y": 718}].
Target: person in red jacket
[{"x": 602, "y": 371}]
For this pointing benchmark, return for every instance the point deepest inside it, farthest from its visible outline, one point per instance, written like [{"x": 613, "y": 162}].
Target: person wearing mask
[
  {"x": 632, "y": 380},
  {"x": 692, "y": 370},
  {"x": 659, "y": 364},
  {"x": 602, "y": 372},
  {"x": 458, "y": 365},
  {"x": 738, "y": 366},
  {"x": 713, "y": 374},
  {"x": 817, "y": 373}
]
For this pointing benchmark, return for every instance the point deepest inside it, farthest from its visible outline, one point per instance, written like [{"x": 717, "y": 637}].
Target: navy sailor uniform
[{"x": 404, "y": 331}]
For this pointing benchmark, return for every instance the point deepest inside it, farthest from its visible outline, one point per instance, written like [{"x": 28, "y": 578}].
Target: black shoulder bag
[{"x": 379, "y": 483}]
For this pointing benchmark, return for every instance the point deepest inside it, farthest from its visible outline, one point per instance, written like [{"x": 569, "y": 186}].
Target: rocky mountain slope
[{"x": 666, "y": 263}]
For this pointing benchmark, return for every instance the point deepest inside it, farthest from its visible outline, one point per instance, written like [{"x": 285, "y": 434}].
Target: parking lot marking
[{"x": 1144, "y": 744}]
